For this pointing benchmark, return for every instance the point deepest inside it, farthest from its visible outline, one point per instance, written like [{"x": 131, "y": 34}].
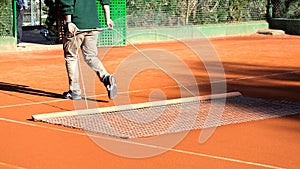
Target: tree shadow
[{"x": 256, "y": 80}]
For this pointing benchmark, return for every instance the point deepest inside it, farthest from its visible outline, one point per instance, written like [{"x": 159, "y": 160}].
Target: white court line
[
  {"x": 10, "y": 165},
  {"x": 150, "y": 146},
  {"x": 136, "y": 91},
  {"x": 267, "y": 75},
  {"x": 32, "y": 103}
]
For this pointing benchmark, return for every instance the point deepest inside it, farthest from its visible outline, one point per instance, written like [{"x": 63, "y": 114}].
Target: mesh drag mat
[{"x": 172, "y": 118}]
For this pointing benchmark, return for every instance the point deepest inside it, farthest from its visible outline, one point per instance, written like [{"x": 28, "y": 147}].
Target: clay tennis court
[{"x": 257, "y": 66}]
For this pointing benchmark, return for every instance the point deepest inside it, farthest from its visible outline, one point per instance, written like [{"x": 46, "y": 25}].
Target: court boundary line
[
  {"x": 136, "y": 91},
  {"x": 146, "y": 145}
]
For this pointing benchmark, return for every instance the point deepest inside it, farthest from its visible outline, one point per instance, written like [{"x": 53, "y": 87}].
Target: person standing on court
[
  {"x": 81, "y": 17},
  {"x": 21, "y": 6}
]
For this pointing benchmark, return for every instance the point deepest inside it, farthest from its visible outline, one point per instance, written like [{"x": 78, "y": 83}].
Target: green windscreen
[{"x": 116, "y": 37}]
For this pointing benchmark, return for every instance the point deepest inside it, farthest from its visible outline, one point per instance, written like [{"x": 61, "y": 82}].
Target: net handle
[{"x": 94, "y": 29}]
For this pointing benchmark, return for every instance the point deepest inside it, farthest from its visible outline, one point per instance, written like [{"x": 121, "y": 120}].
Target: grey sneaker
[
  {"x": 72, "y": 96},
  {"x": 109, "y": 82}
]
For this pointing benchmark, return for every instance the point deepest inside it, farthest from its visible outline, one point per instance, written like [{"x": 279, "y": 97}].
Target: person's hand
[
  {"x": 72, "y": 28},
  {"x": 110, "y": 24}
]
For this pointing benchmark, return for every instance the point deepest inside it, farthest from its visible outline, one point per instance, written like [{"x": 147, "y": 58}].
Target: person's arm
[
  {"x": 109, "y": 22},
  {"x": 72, "y": 28},
  {"x": 68, "y": 10},
  {"x": 20, "y": 4},
  {"x": 25, "y": 4}
]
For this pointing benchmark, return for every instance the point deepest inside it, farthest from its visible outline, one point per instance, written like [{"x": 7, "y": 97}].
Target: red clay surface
[{"x": 258, "y": 66}]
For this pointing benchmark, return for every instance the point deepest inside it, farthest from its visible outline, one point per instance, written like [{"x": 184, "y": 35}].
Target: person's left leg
[{"x": 90, "y": 51}]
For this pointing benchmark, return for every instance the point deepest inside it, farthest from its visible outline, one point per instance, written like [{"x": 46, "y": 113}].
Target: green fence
[{"x": 167, "y": 13}]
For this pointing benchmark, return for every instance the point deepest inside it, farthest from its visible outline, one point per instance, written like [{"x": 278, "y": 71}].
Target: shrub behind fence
[
  {"x": 289, "y": 9},
  {"x": 6, "y": 18}
]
